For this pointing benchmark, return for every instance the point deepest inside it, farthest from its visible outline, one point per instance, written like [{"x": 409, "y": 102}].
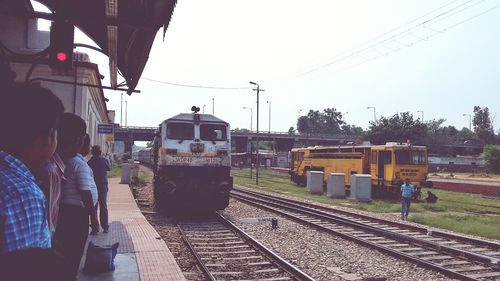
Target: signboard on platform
[{"x": 105, "y": 129}]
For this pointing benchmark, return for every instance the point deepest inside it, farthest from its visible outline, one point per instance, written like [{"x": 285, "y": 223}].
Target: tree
[
  {"x": 352, "y": 131},
  {"x": 398, "y": 128},
  {"x": 303, "y": 125},
  {"x": 291, "y": 131},
  {"x": 491, "y": 155},
  {"x": 438, "y": 134},
  {"x": 315, "y": 122},
  {"x": 466, "y": 135},
  {"x": 482, "y": 125}
]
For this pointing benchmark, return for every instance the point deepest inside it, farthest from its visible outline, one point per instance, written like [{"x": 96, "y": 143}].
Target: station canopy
[{"x": 123, "y": 29}]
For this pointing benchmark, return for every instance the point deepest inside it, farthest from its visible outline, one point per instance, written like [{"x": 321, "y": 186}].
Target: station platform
[{"x": 142, "y": 254}]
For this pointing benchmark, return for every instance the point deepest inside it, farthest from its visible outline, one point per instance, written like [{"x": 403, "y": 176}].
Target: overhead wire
[
  {"x": 187, "y": 85},
  {"x": 436, "y": 32},
  {"x": 410, "y": 31},
  {"x": 196, "y": 86}
]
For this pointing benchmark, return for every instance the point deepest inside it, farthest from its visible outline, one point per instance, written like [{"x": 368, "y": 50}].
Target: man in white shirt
[
  {"x": 76, "y": 197},
  {"x": 93, "y": 187}
]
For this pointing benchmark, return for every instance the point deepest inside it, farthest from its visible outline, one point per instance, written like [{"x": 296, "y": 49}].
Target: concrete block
[
  {"x": 361, "y": 187},
  {"x": 126, "y": 171},
  {"x": 315, "y": 182},
  {"x": 335, "y": 186}
]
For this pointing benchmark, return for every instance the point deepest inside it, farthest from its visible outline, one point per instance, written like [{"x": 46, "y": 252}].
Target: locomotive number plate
[{"x": 194, "y": 161}]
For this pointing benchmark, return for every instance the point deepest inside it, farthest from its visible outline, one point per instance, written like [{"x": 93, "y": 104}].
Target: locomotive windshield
[
  {"x": 412, "y": 157},
  {"x": 180, "y": 131},
  {"x": 213, "y": 132}
]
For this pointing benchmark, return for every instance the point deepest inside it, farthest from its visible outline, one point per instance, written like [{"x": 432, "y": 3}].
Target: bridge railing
[
  {"x": 264, "y": 133},
  {"x": 246, "y": 133}
]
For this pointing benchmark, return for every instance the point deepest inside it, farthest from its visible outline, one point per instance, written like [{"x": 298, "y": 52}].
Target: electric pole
[{"x": 258, "y": 90}]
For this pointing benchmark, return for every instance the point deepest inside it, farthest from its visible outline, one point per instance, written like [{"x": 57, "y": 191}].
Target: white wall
[{"x": 22, "y": 36}]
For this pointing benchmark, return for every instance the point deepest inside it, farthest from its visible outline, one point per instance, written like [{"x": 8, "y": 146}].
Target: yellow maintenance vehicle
[{"x": 389, "y": 165}]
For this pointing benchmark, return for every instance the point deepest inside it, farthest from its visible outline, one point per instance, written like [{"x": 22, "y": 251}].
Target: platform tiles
[{"x": 142, "y": 254}]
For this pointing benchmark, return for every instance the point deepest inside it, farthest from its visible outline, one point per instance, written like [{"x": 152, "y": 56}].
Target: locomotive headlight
[
  {"x": 171, "y": 151},
  {"x": 221, "y": 152}
]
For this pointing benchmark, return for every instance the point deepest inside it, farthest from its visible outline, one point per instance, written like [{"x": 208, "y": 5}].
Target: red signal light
[{"x": 62, "y": 56}]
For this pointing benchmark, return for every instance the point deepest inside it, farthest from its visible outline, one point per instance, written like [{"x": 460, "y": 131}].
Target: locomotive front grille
[{"x": 197, "y": 147}]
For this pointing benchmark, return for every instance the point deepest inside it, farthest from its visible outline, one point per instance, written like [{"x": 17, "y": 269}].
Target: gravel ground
[
  {"x": 395, "y": 217},
  {"x": 168, "y": 230},
  {"x": 321, "y": 255}
]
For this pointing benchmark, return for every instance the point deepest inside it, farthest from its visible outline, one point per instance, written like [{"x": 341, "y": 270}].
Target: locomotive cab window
[
  {"x": 180, "y": 131},
  {"x": 213, "y": 132},
  {"x": 412, "y": 157}
]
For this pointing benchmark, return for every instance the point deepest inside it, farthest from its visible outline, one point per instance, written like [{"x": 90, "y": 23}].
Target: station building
[{"x": 86, "y": 99}]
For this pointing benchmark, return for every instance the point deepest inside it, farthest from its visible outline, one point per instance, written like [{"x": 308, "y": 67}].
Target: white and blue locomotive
[{"x": 191, "y": 160}]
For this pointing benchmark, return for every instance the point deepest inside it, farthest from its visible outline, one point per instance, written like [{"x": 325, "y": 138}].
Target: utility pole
[
  {"x": 470, "y": 120},
  {"x": 126, "y": 113},
  {"x": 269, "y": 102},
  {"x": 251, "y": 116},
  {"x": 213, "y": 105},
  {"x": 374, "y": 113},
  {"x": 258, "y": 90},
  {"x": 421, "y": 111},
  {"x": 121, "y": 110},
  {"x": 203, "y": 112},
  {"x": 251, "y": 156}
]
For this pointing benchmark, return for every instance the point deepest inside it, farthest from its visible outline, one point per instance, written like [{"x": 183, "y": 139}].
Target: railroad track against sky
[
  {"x": 453, "y": 255},
  {"x": 225, "y": 252}
]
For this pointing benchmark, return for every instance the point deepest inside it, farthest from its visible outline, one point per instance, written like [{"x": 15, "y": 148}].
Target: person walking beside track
[
  {"x": 406, "y": 194},
  {"x": 100, "y": 166}
]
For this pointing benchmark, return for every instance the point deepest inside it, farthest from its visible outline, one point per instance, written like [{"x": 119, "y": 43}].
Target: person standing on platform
[
  {"x": 93, "y": 188},
  {"x": 29, "y": 116},
  {"x": 406, "y": 194},
  {"x": 76, "y": 198},
  {"x": 51, "y": 177},
  {"x": 100, "y": 166}
]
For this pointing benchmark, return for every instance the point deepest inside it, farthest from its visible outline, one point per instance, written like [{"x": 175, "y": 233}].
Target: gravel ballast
[{"x": 321, "y": 255}]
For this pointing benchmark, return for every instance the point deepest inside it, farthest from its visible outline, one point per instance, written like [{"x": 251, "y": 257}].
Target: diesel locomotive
[{"x": 191, "y": 161}]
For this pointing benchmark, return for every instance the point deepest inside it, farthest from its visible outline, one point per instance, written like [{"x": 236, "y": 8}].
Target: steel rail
[
  {"x": 204, "y": 269},
  {"x": 385, "y": 233},
  {"x": 430, "y": 231},
  {"x": 402, "y": 237},
  {"x": 285, "y": 265},
  {"x": 276, "y": 259}
]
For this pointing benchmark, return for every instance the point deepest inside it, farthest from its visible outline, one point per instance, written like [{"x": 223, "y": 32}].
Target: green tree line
[{"x": 403, "y": 127}]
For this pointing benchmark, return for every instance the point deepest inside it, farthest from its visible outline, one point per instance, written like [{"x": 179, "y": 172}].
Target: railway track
[
  {"x": 453, "y": 255},
  {"x": 225, "y": 252}
]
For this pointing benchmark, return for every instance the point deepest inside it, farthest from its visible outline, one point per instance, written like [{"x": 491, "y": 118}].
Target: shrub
[{"x": 491, "y": 155}]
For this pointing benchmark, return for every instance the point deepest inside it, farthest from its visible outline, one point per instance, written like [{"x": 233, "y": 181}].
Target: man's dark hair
[
  {"x": 26, "y": 112},
  {"x": 96, "y": 150},
  {"x": 71, "y": 129}
]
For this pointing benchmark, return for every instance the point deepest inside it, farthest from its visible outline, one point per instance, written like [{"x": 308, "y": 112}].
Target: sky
[{"x": 439, "y": 57}]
